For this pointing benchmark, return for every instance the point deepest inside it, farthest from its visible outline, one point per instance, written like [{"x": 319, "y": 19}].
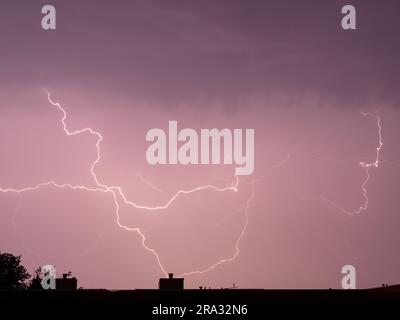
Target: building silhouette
[
  {"x": 66, "y": 282},
  {"x": 170, "y": 283}
]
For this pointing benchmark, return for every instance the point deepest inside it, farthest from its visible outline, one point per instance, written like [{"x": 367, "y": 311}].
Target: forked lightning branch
[{"x": 187, "y": 147}]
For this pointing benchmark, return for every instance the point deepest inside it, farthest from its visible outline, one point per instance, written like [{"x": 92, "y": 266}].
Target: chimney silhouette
[{"x": 170, "y": 283}]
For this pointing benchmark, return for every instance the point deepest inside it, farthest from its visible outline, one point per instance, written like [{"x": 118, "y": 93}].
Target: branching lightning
[
  {"x": 119, "y": 197},
  {"x": 117, "y": 192},
  {"x": 237, "y": 251},
  {"x": 145, "y": 181},
  {"x": 367, "y": 167}
]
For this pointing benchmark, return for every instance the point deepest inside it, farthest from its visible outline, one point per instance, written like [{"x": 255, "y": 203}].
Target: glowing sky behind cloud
[{"x": 288, "y": 71}]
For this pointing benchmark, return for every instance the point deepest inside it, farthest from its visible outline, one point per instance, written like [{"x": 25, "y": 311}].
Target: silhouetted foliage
[
  {"x": 36, "y": 280},
  {"x": 13, "y": 275}
]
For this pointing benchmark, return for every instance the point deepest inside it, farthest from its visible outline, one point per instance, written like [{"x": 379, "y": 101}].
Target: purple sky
[{"x": 284, "y": 68}]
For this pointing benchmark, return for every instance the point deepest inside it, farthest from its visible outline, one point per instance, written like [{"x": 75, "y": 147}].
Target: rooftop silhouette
[{"x": 171, "y": 283}]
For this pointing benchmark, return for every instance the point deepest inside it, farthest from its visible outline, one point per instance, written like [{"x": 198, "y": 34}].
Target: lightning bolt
[
  {"x": 237, "y": 251},
  {"x": 117, "y": 192},
  {"x": 366, "y": 166},
  {"x": 120, "y": 198},
  {"x": 147, "y": 182}
]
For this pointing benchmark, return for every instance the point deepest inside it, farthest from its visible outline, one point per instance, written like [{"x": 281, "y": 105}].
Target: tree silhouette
[
  {"x": 13, "y": 274},
  {"x": 36, "y": 282}
]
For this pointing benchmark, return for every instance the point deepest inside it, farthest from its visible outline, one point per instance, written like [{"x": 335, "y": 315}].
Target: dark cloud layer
[{"x": 215, "y": 51}]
